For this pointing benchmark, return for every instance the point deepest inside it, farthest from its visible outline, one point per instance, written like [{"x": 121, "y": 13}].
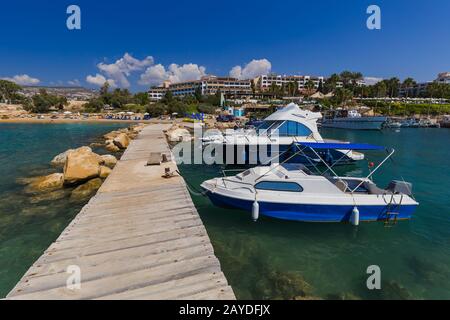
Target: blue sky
[{"x": 299, "y": 37}]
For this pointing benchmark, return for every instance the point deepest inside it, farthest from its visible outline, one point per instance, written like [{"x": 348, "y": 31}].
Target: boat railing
[
  {"x": 224, "y": 172},
  {"x": 251, "y": 188}
]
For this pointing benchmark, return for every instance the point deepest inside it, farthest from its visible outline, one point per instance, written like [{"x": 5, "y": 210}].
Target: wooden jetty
[{"x": 139, "y": 237}]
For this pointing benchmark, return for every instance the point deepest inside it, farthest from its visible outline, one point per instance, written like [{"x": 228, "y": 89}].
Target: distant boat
[
  {"x": 291, "y": 124},
  {"x": 410, "y": 123},
  {"x": 393, "y": 124},
  {"x": 427, "y": 123},
  {"x": 445, "y": 122},
  {"x": 353, "y": 120}
]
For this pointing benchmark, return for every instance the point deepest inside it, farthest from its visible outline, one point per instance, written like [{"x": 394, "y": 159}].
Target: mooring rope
[{"x": 191, "y": 188}]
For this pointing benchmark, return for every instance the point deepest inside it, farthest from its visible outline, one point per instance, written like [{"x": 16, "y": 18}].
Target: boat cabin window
[
  {"x": 291, "y": 129},
  {"x": 278, "y": 186}
]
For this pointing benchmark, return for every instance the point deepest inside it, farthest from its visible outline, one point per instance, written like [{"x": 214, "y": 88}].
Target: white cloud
[
  {"x": 23, "y": 79},
  {"x": 236, "y": 72},
  {"x": 154, "y": 75},
  {"x": 100, "y": 80},
  {"x": 122, "y": 68},
  {"x": 372, "y": 80},
  {"x": 74, "y": 82},
  {"x": 190, "y": 71},
  {"x": 252, "y": 69},
  {"x": 157, "y": 74}
]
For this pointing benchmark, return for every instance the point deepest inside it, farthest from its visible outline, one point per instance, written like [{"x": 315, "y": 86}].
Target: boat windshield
[{"x": 285, "y": 128}]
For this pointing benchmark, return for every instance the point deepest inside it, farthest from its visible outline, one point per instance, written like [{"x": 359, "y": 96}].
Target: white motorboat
[
  {"x": 292, "y": 192},
  {"x": 278, "y": 132}
]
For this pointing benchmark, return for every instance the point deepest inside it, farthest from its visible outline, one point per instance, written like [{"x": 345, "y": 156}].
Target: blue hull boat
[
  {"x": 315, "y": 213},
  {"x": 291, "y": 192}
]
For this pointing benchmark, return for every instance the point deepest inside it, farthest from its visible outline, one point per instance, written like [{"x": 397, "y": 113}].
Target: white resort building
[
  {"x": 208, "y": 85},
  {"x": 264, "y": 82}
]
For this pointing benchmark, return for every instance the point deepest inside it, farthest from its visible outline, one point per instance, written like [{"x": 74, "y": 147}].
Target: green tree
[
  {"x": 331, "y": 83},
  {"x": 310, "y": 85},
  {"x": 342, "y": 96},
  {"x": 408, "y": 83},
  {"x": 94, "y": 105},
  {"x": 393, "y": 86},
  {"x": 8, "y": 90},
  {"x": 198, "y": 94},
  {"x": 120, "y": 97},
  {"x": 104, "y": 89},
  {"x": 253, "y": 87},
  {"x": 380, "y": 89},
  {"x": 141, "y": 98},
  {"x": 43, "y": 101},
  {"x": 320, "y": 88},
  {"x": 156, "y": 110},
  {"x": 168, "y": 97}
]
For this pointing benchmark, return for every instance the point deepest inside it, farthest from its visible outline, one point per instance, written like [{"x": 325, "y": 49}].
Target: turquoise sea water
[
  {"x": 282, "y": 259},
  {"x": 270, "y": 258},
  {"x": 28, "y": 226}
]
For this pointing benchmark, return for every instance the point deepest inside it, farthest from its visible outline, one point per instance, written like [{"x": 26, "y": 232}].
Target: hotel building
[
  {"x": 208, "y": 85},
  {"x": 264, "y": 82},
  {"x": 421, "y": 88},
  {"x": 443, "y": 77}
]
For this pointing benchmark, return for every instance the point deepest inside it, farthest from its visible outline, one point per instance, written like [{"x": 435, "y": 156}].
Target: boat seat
[
  {"x": 373, "y": 189},
  {"x": 341, "y": 185}
]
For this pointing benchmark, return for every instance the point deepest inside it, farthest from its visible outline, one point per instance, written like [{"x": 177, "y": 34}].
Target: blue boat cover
[{"x": 342, "y": 146}]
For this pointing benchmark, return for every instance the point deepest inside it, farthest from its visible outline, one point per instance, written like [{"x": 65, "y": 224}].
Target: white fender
[
  {"x": 255, "y": 211},
  {"x": 354, "y": 219}
]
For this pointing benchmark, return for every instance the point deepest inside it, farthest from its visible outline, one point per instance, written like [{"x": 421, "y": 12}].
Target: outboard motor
[{"x": 397, "y": 187}]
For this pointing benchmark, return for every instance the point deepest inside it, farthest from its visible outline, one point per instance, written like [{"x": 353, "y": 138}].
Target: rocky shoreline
[{"x": 83, "y": 171}]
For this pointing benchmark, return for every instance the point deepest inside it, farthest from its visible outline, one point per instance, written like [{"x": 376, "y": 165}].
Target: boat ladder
[{"x": 392, "y": 212}]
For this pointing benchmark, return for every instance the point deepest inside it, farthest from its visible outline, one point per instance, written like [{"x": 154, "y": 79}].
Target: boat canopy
[{"x": 343, "y": 146}]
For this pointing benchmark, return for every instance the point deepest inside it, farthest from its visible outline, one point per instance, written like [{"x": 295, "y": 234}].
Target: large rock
[
  {"x": 138, "y": 128},
  {"x": 60, "y": 159},
  {"x": 104, "y": 172},
  {"x": 86, "y": 190},
  {"x": 48, "y": 196},
  {"x": 179, "y": 134},
  {"x": 109, "y": 160},
  {"x": 111, "y": 147},
  {"x": 122, "y": 141},
  {"x": 46, "y": 184},
  {"x": 81, "y": 165},
  {"x": 132, "y": 135},
  {"x": 111, "y": 135}
]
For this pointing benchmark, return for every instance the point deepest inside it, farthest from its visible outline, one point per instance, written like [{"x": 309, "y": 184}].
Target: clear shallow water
[
  {"x": 282, "y": 259},
  {"x": 270, "y": 258},
  {"x": 28, "y": 227}
]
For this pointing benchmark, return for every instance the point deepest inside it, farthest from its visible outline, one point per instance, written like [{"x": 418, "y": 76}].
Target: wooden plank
[
  {"x": 126, "y": 281},
  {"x": 139, "y": 237}
]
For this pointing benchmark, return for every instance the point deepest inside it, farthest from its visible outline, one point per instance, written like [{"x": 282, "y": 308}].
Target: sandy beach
[{"x": 35, "y": 120}]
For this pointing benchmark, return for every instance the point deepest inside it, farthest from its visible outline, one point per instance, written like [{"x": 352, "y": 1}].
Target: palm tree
[
  {"x": 408, "y": 83},
  {"x": 394, "y": 84},
  {"x": 310, "y": 85}
]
